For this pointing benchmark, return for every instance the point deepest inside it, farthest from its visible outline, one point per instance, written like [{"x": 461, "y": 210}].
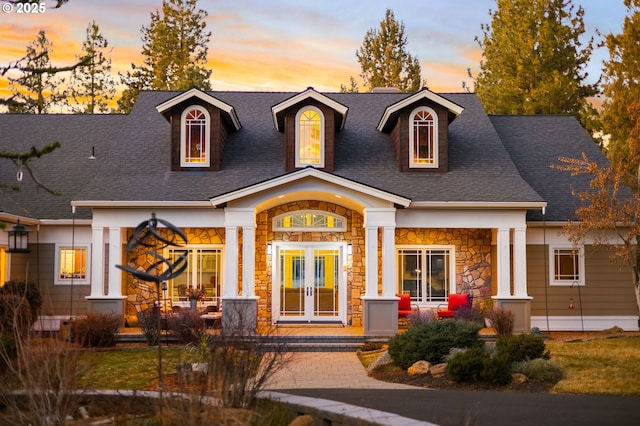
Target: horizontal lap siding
[{"x": 608, "y": 290}]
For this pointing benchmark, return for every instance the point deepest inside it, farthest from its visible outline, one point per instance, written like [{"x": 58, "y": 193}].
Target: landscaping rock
[
  {"x": 384, "y": 359},
  {"x": 613, "y": 330},
  {"x": 438, "y": 370},
  {"x": 418, "y": 368},
  {"x": 304, "y": 420},
  {"x": 519, "y": 378}
]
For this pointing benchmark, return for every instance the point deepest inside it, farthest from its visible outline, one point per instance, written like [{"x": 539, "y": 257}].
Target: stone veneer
[
  {"x": 141, "y": 294},
  {"x": 473, "y": 255}
]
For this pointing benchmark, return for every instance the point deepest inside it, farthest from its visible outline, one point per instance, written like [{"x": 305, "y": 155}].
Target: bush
[
  {"x": 432, "y": 341},
  {"x": 148, "y": 322},
  {"x": 502, "y": 320},
  {"x": 539, "y": 370},
  {"x": 467, "y": 366},
  {"x": 470, "y": 313},
  {"x": 187, "y": 325},
  {"x": 96, "y": 330},
  {"x": 497, "y": 370},
  {"x": 522, "y": 347},
  {"x": 418, "y": 317},
  {"x": 20, "y": 304}
]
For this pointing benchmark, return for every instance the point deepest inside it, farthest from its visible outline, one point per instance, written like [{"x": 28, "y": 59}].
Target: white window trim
[
  {"x": 436, "y": 156},
  {"x": 343, "y": 228},
  {"x": 68, "y": 281},
  {"x": 581, "y": 266},
  {"x": 183, "y": 136},
  {"x": 322, "y": 141},
  {"x": 452, "y": 267}
]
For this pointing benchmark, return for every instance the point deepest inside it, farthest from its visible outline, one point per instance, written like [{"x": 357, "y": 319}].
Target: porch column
[
  {"x": 231, "y": 261},
  {"x": 115, "y": 258},
  {"x": 504, "y": 262},
  {"x": 97, "y": 262},
  {"x": 106, "y": 295},
  {"x": 248, "y": 260},
  {"x": 388, "y": 262},
  {"x": 371, "y": 260},
  {"x": 520, "y": 262}
]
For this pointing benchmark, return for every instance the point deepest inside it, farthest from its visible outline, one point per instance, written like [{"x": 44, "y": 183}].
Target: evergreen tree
[
  {"x": 36, "y": 91},
  {"x": 384, "y": 60},
  {"x": 533, "y": 60},
  {"x": 92, "y": 86},
  {"x": 621, "y": 109},
  {"x": 174, "y": 46},
  {"x": 353, "y": 86}
]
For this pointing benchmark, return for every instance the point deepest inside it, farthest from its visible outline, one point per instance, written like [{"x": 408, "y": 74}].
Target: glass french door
[{"x": 309, "y": 283}]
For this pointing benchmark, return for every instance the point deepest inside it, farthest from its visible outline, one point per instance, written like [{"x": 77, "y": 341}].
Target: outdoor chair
[
  {"x": 456, "y": 302},
  {"x": 405, "y": 308}
]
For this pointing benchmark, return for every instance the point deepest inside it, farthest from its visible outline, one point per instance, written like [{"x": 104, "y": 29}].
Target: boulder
[
  {"x": 419, "y": 368},
  {"x": 438, "y": 370},
  {"x": 518, "y": 378},
  {"x": 303, "y": 420},
  {"x": 383, "y": 359}
]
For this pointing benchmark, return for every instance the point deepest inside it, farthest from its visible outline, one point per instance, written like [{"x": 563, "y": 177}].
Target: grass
[
  {"x": 130, "y": 369},
  {"x": 599, "y": 366}
]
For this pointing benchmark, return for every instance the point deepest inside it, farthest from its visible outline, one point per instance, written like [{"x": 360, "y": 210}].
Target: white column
[
  {"x": 97, "y": 262},
  {"x": 248, "y": 261},
  {"x": 371, "y": 260},
  {"x": 520, "y": 262},
  {"x": 388, "y": 262},
  {"x": 504, "y": 262},
  {"x": 115, "y": 258},
  {"x": 231, "y": 262}
]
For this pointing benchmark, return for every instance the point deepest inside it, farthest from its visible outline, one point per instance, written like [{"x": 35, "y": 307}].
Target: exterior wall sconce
[
  {"x": 269, "y": 249},
  {"x": 349, "y": 249},
  {"x": 18, "y": 237}
]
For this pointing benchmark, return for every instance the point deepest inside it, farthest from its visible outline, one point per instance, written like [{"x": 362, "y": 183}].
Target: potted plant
[{"x": 194, "y": 294}]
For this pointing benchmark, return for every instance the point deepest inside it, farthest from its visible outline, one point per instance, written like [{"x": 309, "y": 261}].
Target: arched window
[
  {"x": 195, "y": 137},
  {"x": 423, "y": 135},
  {"x": 310, "y": 221},
  {"x": 309, "y": 137}
]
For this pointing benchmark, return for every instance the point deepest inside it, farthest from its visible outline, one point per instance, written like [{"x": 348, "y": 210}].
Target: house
[{"x": 311, "y": 208}]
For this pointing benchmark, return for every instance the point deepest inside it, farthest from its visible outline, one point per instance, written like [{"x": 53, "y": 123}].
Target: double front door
[{"x": 309, "y": 282}]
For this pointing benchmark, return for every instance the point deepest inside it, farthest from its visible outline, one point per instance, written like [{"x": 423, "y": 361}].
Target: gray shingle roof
[
  {"x": 133, "y": 154},
  {"x": 535, "y": 142}
]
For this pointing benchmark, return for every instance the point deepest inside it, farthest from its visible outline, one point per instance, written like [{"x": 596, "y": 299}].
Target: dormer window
[
  {"x": 423, "y": 135},
  {"x": 195, "y": 137},
  {"x": 309, "y": 137}
]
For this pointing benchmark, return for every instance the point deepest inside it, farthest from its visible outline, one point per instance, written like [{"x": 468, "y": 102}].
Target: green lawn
[{"x": 600, "y": 366}]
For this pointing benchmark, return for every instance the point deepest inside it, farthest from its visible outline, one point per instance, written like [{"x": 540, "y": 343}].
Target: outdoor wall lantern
[{"x": 18, "y": 236}]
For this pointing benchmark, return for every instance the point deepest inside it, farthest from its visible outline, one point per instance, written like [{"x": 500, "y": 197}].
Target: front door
[{"x": 309, "y": 282}]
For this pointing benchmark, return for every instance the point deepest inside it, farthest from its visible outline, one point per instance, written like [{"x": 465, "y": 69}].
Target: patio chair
[
  {"x": 456, "y": 302},
  {"x": 405, "y": 308}
]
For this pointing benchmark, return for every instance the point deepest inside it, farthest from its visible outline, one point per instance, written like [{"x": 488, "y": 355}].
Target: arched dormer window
[
  {"x": 308, "y": 221},
  {"x": 309, "y": 137},
  {"x": 423, "y": 138},
  {"x": 195, "y": 137}
]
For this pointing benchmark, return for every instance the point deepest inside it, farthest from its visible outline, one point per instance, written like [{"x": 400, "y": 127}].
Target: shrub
[
  {"x": 521, "y": 347},
  {"x": 371, "y": 346},
  {"x": 96, "y": 330},
  {"x": 148, "y": 322},
  {"x": 470, "y": 313},
  {"x": 418, "y": 317},
  {"x": 187, "y": 325},
  {"x": 432, "y": 341},
  {"x": 497, "y": 370},
  {"x": 540, "y": 370},
  {"x": 467, "y": 366},
  {"x": 20, "y": 304},
  {"x": 502, "y": 320}
]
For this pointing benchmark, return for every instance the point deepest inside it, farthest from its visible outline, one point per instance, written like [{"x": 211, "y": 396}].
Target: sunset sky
[{"x": 286, "y": 45}]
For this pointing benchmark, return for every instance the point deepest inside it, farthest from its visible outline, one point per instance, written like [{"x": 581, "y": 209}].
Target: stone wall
[{"x": 473, "y": 255}]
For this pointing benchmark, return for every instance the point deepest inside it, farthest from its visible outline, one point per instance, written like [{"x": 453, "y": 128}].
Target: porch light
[
  {"x": 269, "y": 248},
  {"x": 18, "y": 236}
]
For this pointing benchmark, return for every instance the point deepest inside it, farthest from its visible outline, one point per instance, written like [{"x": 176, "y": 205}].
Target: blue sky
[{"x": 289, "y": 45}]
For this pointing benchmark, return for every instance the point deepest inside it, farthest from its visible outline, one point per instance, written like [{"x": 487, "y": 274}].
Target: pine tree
[
  {"x": 353, "y": 86},
  {"x": 92, "y": 86},
  {"x": 621, "y": 109},
  {"x": 384, "y": 60},
  {"x": 37, "y": 89},
  {"x": 533, "y": 60},
  {"x": 174, "y": 46}
]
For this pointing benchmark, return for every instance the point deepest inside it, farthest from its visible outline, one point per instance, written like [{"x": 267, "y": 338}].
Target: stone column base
[
  {"x": 107, "y": 304},
  {"x": 380, "y": 316},
  {"x": 239, "y": 315},
  {"x": 521, "y": 308}
]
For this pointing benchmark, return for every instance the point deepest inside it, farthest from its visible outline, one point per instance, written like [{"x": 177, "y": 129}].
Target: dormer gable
[
  {"x": 419, "y": 130},
  {"x": 200, "y": 124},
  {"x": 309, "y": 121}
]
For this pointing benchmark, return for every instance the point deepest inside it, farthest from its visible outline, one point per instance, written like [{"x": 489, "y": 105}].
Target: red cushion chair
[
  {"x": 404, "y": 305},
  {"x": 456, "y": 301}
]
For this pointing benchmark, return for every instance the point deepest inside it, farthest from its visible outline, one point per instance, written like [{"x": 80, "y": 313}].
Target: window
[
  {"x": 194, "y": 138},
  {"x": 423, "y": 134},
  {"x": 426, "y": 273},
  {"x": 567, "y": 265},
  {"x": 309, "y": 221},
  {"x": 309, "y": 137},
  {"x": 204, "y": 270},
  {"x": 72, "y": 264}
]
